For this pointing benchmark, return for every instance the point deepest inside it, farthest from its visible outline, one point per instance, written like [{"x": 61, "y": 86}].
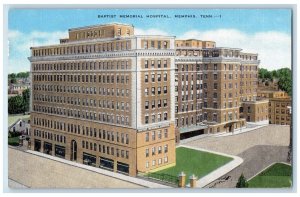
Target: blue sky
[{"x": 267, "y": 29}]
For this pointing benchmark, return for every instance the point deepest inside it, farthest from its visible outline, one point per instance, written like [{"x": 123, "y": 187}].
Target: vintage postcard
[{"x": 149, "y": 98}]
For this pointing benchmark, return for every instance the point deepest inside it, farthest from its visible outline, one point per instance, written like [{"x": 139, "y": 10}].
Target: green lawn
[
  {"x": 13, "y": 141},
  {"x": 13, "y": 118},
  {"x": 194, "y": 162},
  {"x": 276, "y": 176}
]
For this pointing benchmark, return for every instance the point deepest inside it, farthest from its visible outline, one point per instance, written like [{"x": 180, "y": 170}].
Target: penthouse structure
[{"x": 105, "y": 97}]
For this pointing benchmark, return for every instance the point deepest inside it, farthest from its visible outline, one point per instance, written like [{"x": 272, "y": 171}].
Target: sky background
[{"x": 263, "y": 31}]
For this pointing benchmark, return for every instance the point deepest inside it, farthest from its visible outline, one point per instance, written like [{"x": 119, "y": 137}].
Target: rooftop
[{"x": 99, "y": 25}]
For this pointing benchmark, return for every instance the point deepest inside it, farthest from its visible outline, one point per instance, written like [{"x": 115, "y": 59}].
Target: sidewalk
[
  {"x": 134, "y": 180},
  {"x": 218, "y": 172},
  {"x": 239, "y": 131}
]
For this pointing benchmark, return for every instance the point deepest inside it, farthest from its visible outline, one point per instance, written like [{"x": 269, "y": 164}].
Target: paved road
[
  {"x": 255, "y": 159},
  {"x": 273, "y": 135}
]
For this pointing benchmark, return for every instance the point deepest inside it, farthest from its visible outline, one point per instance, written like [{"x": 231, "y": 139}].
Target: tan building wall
[
  {"x": 255, "y": 111},
  {"x": 223, "y": 85}
]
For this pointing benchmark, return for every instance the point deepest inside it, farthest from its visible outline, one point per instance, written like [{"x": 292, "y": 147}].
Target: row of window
[
  {"x": 215, "y": 67},
  {"x": 108, "y": 78},
  {"x": 105, "y": 149},
  {"x": 159, "y": 91},
  {"x": 165, "y": 76},
  {"x": 103, "y": 134},
  {"x": 82, "y": 49},
  {"x": 159, "y": 162},
  {"x": 155, "y": 44},
  {"x": 156, "y": 135},
  {"x": 88, "y": 115},
  {"x": 156, "y": 150},
  {"x": 50, "y": 136},
  {"x": 80, "y": 89},
  {"x": 156, "y": 118},
  {"x": 104, "y": 104},
  {"x": 155, "y": 63},
  {"x": 153, "y": 104},
  {"x": 85, "y": 65}
]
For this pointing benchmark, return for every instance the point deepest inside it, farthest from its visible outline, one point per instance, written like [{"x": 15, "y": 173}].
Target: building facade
[
  {"x": 105, "y": 97},
  {"x": 279, "y": 106},
  {"x": 211, "y": 84}
]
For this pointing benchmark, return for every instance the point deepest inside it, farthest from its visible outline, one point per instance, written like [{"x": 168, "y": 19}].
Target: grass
[
  {"x": 13, "y": 118},
  {"x": 193, "y": 162},
  {"x": 13, "y": 141},
  {"x": 276, "y": 176}
]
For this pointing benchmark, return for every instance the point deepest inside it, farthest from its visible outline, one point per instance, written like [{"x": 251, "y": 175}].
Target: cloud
[
  {"x": 152, "y": 31},
  {"x": 20, "y": 43},
  {"x": 273, "y": 48}
]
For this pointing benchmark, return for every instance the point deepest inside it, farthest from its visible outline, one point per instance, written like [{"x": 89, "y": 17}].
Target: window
[
  {"x": 166, "y": 133},
  {"x": 153, "y": 90},
  {"x": 146, "y": 119},
  {"x": 165, "y": 45},
  {"x": 165, "y": 90},
  {"x": 146, "y": 92},
  {"x": 119, "y": 32},
  {"x": 152, "y": 44},
  {"x": 153, "y": 104},
  {"x": 166, "y": 148},
  {"x": 146, "y": 78},
  {"x": 146, "y": 104},
  {"x": 159, "y": 134},
  {"x": 159, "y": 150},
  {"x": 153, "y": 135},
  {"x": 153, "y": 77},
  {"x": 165, "y": 116},
  {"x": 146, "y": 63},
  {"x": 153, "y": 163},
  {"x": 147, "y": 152},
  {"x": 153, "y": 151},
  {"x": 147, "y": 137}
]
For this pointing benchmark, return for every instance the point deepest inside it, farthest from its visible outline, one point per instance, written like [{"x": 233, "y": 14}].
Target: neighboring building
[
  {"x": 20, "y": 126},
  {"x": 211, "y": 84},
  {"x": 268, "y": 85},
  {"x": 279, "y": 106},
  {"x": 17, "y": 88},
  {"x": 255, "y": 111},
  {"x": 105, "y": 97}
]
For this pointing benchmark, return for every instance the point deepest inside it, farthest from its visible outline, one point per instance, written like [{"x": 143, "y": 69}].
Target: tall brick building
[
  {"x": 105, "y": 97},
  {"x": 212, "y": 86},
  {"x": 111, "y": 99}
]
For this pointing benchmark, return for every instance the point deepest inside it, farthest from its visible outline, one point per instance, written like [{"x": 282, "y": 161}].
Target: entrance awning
[
  {"x": 230, "y": 123},
  {"x": 192, "y": 128}
]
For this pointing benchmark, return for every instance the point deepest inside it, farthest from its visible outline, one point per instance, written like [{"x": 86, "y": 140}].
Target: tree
[
  {"x": 242, "y": 182},
  {"x": 12, "y": 75},
  {"x": 285, "y": 80},
  {"x": 23, "y": 75},
  {"x": 15, "y": 105},
  {"x": 26, "y": 100}
]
